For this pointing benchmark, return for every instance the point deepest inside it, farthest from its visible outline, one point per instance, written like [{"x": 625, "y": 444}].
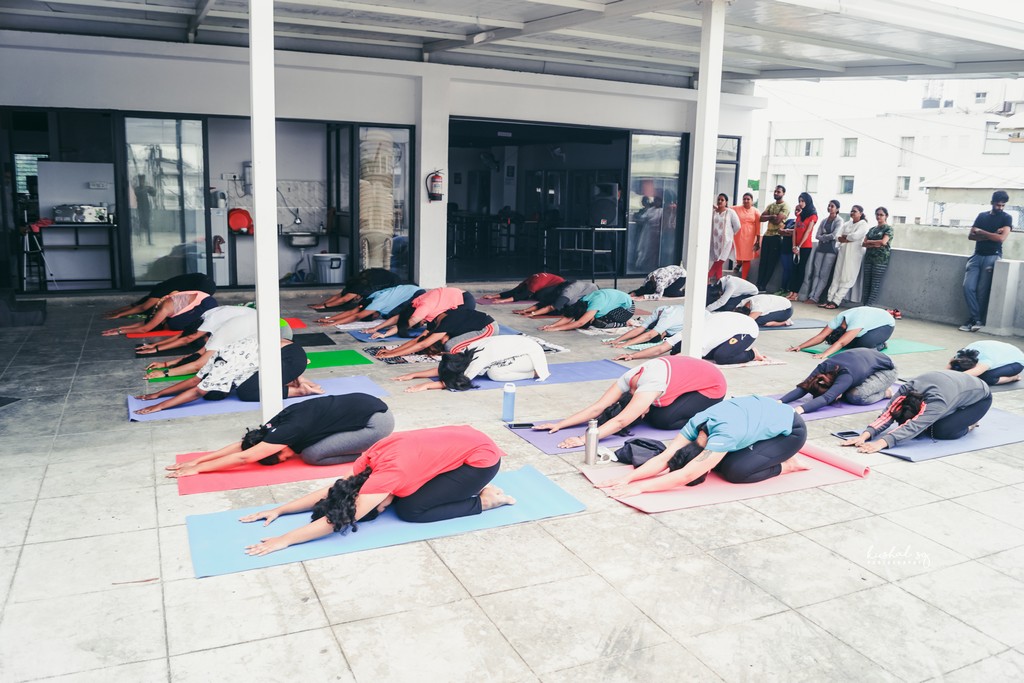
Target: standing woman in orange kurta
[{"x": 748, "y": 239}]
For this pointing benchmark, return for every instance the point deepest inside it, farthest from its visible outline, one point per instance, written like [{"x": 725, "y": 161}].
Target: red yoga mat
[
  {"x": 825, "y": 468},
  {"x": 153, "y": 333},
  {"x": 295, "y": 323},
  {"x": 255, "y": 474}
]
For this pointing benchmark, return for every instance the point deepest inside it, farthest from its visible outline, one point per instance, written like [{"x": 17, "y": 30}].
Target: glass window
[
  {"x": 798, "y": 147},
  {"x": 996, "y": 141},
  {"x": 384, "y": 192},
  {"x": 728, "y": 149},
  {"x": 907, "y": 150},
  {"x": 26, "y": 165},
  {"x": 902, "y": 186},
  {"x": 980, "y": 97},
  {"x": 653, "y": 202},
  {"x": 810, "y": 183},
  {"x": 849, "y": 147},
  {"x": 846, "y": 184},
  {"x": 778, "y": 179}
]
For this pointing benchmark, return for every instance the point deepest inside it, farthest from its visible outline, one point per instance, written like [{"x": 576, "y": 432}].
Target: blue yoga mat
[
  {"x": 359, "y": 335},
  {"x": 218, "y": 540},
  {"x": 563, "y": 373},
  {"x": 997, "y": 428},
  {"x": 334, "y": 386}
]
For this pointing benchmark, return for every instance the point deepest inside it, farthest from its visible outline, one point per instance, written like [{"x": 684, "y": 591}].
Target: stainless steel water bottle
[{"x": 590, "y": 443}]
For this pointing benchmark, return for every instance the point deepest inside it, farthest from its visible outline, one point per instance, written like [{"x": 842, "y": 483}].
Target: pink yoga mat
[
  {"x": 255, "y": 474},
  {"x": 825, "y": 468},
  {"x": 154, "y": 333}
]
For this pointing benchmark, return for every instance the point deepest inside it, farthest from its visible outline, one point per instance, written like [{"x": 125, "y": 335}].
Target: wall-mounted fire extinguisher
[{"x": 435, "y": 186}]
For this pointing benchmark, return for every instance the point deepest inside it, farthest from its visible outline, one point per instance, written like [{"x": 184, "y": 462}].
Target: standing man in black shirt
[{"x": 990, "y": 230}]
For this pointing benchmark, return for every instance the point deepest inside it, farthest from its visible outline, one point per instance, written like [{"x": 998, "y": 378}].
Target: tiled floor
[{"x": 914, "y": 573}]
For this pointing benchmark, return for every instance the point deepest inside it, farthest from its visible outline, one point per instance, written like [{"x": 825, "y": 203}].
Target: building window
[
  {"x": 980, "y": 97},
  {"x": 907, "y": 150},
  {"x": 810, "y": 183},
  {"x": 846, "y": 184},
  {"x": 778, "y": 179},
  {"x": 899, "y": 220},
  {"x": 849, "y": 147},
  {"x": 996, "y": 141},
  {"x": 798, "y": 147},
  {"x": 25, "y": 166},
  {"x": 902, "y": 186}
]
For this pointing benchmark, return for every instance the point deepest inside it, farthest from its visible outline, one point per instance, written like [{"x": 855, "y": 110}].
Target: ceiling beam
[
  {"x": 1002, "y": 68},
  {"x": 807, "y": 39},
  {"x": 573, "y": 4},
  {"x": 121, "y": 5},
  {"x": 106, "y": 19},
  {"x": 483, "y": 22},
  {"x": 281, "y": 18},
  {"x": 621, "y": 56},
  {"x": 575, "y": 62},
  {"x": 615, "y": 10},
  {"x": 306, "y": 35},
  {"x": 203, "y": 8}
]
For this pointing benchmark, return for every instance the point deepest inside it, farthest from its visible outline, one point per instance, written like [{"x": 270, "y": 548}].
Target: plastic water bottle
[
  {"x": 508, "y": 403},
  {"x": 590, "y": 443}
]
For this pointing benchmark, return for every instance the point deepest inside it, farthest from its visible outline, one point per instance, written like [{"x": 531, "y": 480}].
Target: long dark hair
[
  {"x": 964, "y": 360},
  {"x": 256, "y": 436},
  {"x": 908, "y": 406},
  {"x": 452, "y": 368},
  {"x": 339, "y": 505},
  {"x": 808, "y": 209},
  {"x": 687, "y": 453},
  {"x": 575, "y": 311},
  {"x": 819, "y": 382}
]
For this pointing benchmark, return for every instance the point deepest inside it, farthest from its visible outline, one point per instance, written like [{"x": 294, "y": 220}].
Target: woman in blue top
[
  {"x": 744, "y": 440},
  {"x": 993, "y": 362},
  {"x": 663, "y": 323},
  {"x": 603, "y": 308},
  {"x": 860, "y": 377},
  {"x": 379, "y": 304},
  {"x": 864, "y": 327}
]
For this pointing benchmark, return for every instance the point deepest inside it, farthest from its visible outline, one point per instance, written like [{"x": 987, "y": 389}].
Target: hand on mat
[
  {"x": 149, "y": 409},
  {"x": 418, "y": 387},
  {"x": 156, "y": 365},
  {"x": 145, "y": 349},
  {"x": 269, "y": 515},
  {"x": 185, "y": 469},
  {"x": 793, "y": 348},
  {"x": 856, "y": 441},
  {"x": 385, "y": 353},
  {"x": 551, "y": 427},
  {"x": 266, "y": 546},
  {"x": 147, "y": 397},
  {"x": 612, "y": 483},
  {"x": 113, "y": 332},
  {"x": 572, "y": 442},
  {"x": 406, "y": 377},
  {"x": 623, "y": 490},
  {"x": 872, "y": 446},
  {"x": 624, "y": 356},
  {"x": 820, "y": 355}
]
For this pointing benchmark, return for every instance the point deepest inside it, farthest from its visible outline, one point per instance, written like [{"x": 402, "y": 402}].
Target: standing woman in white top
[
  {"x": 724, "y": 226},
  {"x": 851, "y": 255},
  {"x": 823, "y": 258},
  {"x": 504, "y": 358}
]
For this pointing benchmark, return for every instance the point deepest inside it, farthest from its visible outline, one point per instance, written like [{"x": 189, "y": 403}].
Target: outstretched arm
[
  {"x": 813, "y": 341},
  {"x": 651, "y": 352},
  {"x": 314, "y": 530}
]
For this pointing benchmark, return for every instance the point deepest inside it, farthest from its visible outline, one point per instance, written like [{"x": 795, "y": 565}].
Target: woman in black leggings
[
  {"x": 744, "y": 440},
  {"x": 943, "y": 405}
]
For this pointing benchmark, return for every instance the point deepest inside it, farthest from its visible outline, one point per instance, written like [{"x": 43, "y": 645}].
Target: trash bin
[{"x": 330, "y": 268}]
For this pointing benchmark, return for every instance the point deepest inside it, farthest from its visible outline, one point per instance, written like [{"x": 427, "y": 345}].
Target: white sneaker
[{"x": 967, "y": 326}]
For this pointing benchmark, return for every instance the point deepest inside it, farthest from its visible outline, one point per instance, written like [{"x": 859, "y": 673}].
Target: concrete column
[
  {"x": 264, "y": 187},
  {"x": 1007, "y": 280},
  {"x": 705, "y": 137},
  {"x": 431, "y": 239}
]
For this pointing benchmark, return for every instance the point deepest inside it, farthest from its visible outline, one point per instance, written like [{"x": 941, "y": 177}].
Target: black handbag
[{"x": 636, "y": 452}]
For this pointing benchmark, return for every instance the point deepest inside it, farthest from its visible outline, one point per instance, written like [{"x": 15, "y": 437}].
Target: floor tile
[
  {"x": 806, "y": 509},
  {"x": 717, "y": 526},
  {"x": 14, "y": 521},
  {"x": 992, "y": 463},
  {"x": 989, "y": 601},
  {"x": 153, "y": 670},
  {"x": 248, "y": 606},
  {"x": 884, "y": 548},
  {"x": 86, "y": 565},
  {"x": 650, "y": 664},
  {"x": 306, "y": 656},
  {"x": 1005, "y": 504},
  {"x": 86, "y": 421},
  {"x": 452, "y": 643},
  {"x": 405, "y": 577},
  {"x": 782, "y": 647},
  {"x": 568, "y": 623},
  {"x": 480, "y": 561},
  {"x": 938, "y": 477},
  {"x": 8, "y": 563},
  {"x": 1009, "y": 562},
  {"x": 106, "y": 474},
  {"x": 95, "y": 514},
  {"x": 879, "y": 493},
  {"x": 175, "y": 556},
  {"x": 17, "y": 372},
  {"x": 19, "y": 484},
  {"x": 116, "y": 445},
  {"x": 919, "y": 641},
  {"x": 70, "y": 634},
  {"x": 173, "y": 508},
  {"x": 35, "y": 384},
  {"x": 820, "y": 574},
  {"x": 1007, "y": 666},
  {"x": 594, "y": 498},
  {"x": 967, "y": 532}
]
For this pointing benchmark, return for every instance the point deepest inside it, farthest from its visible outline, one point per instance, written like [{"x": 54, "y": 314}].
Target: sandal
[{"x": 830, "y": 306}]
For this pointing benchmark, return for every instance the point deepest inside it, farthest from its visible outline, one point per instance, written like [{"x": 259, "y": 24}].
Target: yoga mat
[
  {"x": 894, "y": 347},
  {"x": 564, "y": 373},
  {"x": 825, "y": 468},
  {"x": 173, "y": 378},
  {"x": 255, "y": 474},
  {"x": 153, "y": 333},
  {"x": 7, "y": 400},
  {"x": 799, "y": 324},
  {"x": 357, "y": 325},
  {"x": 525, "y": 303},
  {"x": 838, "y": 409},
  {"x": 218, "y": 540},
  {"x": 180, "y": 351},
  {"x": 755, "y": 363},
  {"x": 407, "y": 359},
  {"x": 335, "y": 359},
  {"x": 1012, "y": 386},
  {"x": 313, "y": 339},
  {"x": 359, "y": 335},
  {"x": 548, "y": 443},
  {"x": 997, "y": 428},
  {"x": 335, "y": 386},
  {"x": 295, "y": 323}
]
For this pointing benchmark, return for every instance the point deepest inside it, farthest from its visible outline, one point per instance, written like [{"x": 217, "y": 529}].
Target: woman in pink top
[
  {"x": 748, "y": 239},
  {"x": 664, "y": 392},
  {"x": 174, "y": 312},
  {"x": 426, "y": 474},
  {"x": 423, "y": 308}
]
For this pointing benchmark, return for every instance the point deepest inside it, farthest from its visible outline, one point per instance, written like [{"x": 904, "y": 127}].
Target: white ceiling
[{"x": 649, "y": 41}]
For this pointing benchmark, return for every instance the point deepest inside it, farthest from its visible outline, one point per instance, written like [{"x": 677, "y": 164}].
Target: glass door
[
  {"x": 167, "y": 197},
  {"x": 651, "y": 237},
  {"x": 384, "y": 199}
]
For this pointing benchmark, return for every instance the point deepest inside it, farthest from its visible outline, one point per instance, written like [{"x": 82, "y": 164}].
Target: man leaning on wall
[{"x": 990, "y": 230}]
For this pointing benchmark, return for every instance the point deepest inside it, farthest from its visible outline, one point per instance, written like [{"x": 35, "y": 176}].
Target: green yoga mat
[
  {"x": 173, "y": 378},
  {"x": 336, "y": 358},
  {"x": 894, "y": 347}
]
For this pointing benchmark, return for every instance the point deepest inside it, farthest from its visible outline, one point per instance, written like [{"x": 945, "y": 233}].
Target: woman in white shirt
[
  {"x": 851, "y": 255},
  {"x": 504, "y": 358}
]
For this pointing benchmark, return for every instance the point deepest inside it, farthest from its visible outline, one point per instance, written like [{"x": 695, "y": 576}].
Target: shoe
[
  {"x": 895, "y": 313},
  {"x": 975, "y": 326},
  {"x": 968, "y": 326}
]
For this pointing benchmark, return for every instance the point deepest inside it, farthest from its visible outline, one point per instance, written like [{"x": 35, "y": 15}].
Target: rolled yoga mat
[
  {"x": 313, "y": 339},
  {"x": 334, "y": 386},
  {"x": 894, "y": 347},
  {"x": 255, "y": 474},
  {"x": 997, "y": 428},
  {"x": 336, "y": 358},
  {"x": 218, "y": 540},
  {"x": 825, "y": 468}
]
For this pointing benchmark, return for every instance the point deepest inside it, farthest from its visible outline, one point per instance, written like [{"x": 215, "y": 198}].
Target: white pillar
[
  {"x": 705, "y": 136},
  {"x": 264, "y": 188},
  {"x": 431, "y": 239}
]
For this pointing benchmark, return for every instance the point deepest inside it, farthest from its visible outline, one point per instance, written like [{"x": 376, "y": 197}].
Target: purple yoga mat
[
  {"x": 334, "y": 386},
  {"x": 838, "y": 409},
  {"x": 564, "y": 373},
  {"x": 548, "y": 443},
  {"x": 359, "y": 335}
]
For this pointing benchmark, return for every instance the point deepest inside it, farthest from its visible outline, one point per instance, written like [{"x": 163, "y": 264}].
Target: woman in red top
[
  {"x": 803, "y": 230},
  {"x": 664, "y": 392},
  {"x": 527, "y": 289},
  {"x": 427, "y": 474}
]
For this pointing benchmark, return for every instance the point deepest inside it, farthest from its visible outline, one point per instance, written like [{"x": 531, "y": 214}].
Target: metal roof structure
[{"x": 649, "y": 41}]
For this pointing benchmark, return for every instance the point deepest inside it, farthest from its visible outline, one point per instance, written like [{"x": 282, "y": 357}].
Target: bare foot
[
  {"x": 888, "y": 392},
  {"x": 492, "y": 497},
  {"x": 758, "y": 356},
  {"x": 310, "y": 386},
  {"x": 972, "y": 427},
  {"x": 794, "y": 464}
]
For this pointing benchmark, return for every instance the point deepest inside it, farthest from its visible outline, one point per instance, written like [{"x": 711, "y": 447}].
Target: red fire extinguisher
[{"x": 435, "y": 186}]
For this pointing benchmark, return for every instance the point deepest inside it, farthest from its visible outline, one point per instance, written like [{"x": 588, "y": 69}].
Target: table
[{"x": 581, "y": 246}]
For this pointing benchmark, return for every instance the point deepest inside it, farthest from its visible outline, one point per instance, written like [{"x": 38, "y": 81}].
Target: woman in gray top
[
  {"x": 823, "y": 258},
  {"x": 945, "y": 404}
]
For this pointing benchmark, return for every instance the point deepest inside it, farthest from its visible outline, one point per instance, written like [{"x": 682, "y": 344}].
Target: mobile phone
[
  {"x": 520, "y": 425},
  {"x": 847, "y": 434}
]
